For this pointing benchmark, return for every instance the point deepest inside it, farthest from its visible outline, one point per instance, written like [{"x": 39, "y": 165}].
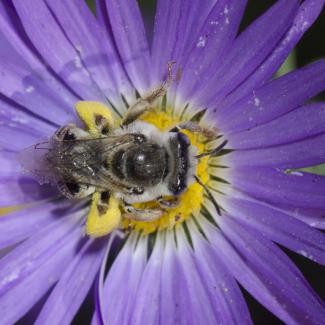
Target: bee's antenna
[
  {"x": 213, "y": 200},
  {"x": 213, "y": 152}
]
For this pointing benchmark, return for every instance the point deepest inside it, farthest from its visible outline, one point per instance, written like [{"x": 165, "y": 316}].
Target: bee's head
[{"x": 181, "y": 164}]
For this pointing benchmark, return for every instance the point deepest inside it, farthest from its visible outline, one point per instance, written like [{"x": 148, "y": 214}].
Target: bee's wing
[{"x": 33, "y": 161}]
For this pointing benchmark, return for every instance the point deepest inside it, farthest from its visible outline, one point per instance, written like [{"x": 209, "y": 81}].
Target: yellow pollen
[{"x": 190, "y": 201}]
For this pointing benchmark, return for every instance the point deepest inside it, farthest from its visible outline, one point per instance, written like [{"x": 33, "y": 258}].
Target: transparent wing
[{"x": 34, "y": 161}]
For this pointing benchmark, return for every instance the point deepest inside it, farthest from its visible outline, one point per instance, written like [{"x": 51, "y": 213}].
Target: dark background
[{"x": 310, "y": 48}]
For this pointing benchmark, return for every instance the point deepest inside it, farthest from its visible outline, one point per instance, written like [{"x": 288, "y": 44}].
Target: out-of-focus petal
[
  {"x": 98, "y": 56},
  {"x": 11, "y": 27},
  {"x": 303, "y": 122},
  {"x": 21, "y": 224},
  {"x": 130, "y": 38},
  {"x": 19, "y": 190},
  {"x": 31, "y": 269},
  {"x": 29, "y": 90},
  {"x": 20, "y": 129},
  {"x": 73, "y": 286},
  {"x": 279, "y": 227},
  {"x": 52, "y": 44}
]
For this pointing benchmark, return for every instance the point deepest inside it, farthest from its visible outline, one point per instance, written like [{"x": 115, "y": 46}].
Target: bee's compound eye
[
  {"x": 137, "y": 190},
  {"x": 139, "y": 138}
]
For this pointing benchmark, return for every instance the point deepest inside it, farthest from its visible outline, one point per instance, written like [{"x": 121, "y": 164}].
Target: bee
[{"x": 135, "y": 162}]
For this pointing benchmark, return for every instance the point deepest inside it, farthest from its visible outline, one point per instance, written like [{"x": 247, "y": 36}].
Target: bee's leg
[
  {"x": 142, "y": 214},
  {"x": 104, "y": 215},
  {"x": 75, "y": 191},
  {"x": 209, "y": 133},
  {"x": 103, "y": 202},
  {"x": 168, "y": 203},
  {"x": 70, "y": 132},
  {"x": 144, "y": 104}
]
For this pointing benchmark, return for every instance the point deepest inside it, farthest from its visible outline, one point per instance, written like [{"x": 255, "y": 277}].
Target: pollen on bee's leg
[
  {"x": 96, "y": 116},
  {"x": 103, "y": 219}
]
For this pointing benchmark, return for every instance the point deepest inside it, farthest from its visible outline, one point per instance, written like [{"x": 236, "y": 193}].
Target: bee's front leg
[
  {"x": 142, "y": 214},
  {"x": 168, "y": 203},
  {"x": 144, "y": 104},
  {"x": 209, "y": 133}
]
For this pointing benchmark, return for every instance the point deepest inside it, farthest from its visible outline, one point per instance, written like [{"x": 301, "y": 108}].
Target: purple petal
[
  {"x": 73, "y": 286},
  {"x": 297, "y": 189},
  {"x": 10, "y": 166},
  {"x": 19, "y": 129},
  {"x": 273, "y": 99},
  {"x": 307, "y": 14},
  {"x": 173, "y": 297},
  {"x": 303, "y": 122},
  {"x": 44, "y": 31},
  {"x": 249, "y": 51},
  {"x": 304, "y": 153},
  {"x": 86, "y": 36},
  {"x": 266, "y": 273},
  {"x": 30, "y": 91},
  {"x": 24, "y": 223},
  {"x": 130, "y": 39},
  {"x": 31, "y": 269},
  {"x": 22, "y": 190},
  {"x": 313, "y": 217},
  {"x": 12, "y": 29},
  {"x": 211, "y": 47},
  {"x": 121, "y": 284},
  {"x": 280, "y": 227},
  {"x": 176, "y": 26},
  {"x": 222, "y": 288},
  {"x": 184, "y": 298},
  {"x": 145, "y": 309}
]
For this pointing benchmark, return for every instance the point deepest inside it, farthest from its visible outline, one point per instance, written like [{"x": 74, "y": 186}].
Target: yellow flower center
[{"x": 190, "y": 201}]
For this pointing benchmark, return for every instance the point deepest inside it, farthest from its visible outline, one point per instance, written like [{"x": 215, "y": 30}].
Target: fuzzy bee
[{"x": 133, "y": 163}]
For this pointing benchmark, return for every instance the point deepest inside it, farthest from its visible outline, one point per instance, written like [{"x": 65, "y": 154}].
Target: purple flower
[{"x": 185, "y": 267}]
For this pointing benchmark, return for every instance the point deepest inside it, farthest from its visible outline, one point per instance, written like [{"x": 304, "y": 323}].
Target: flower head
[{"x": 199, "y": 219}]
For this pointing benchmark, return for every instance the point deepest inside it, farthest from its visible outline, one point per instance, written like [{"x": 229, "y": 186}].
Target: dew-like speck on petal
[
  {"x": 305, "y": 254},
  {"x": 201, "y": 42},
  {"x": 295, "y": 173},
  {"x": 77, "y": 62},
  {"x": 29, "y": 89}
]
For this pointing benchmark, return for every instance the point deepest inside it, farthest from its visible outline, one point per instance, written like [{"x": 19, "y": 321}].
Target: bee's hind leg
[
  {"x": 142, "y": 214},
  {"x": 73, "y": 190},
  {"x": 70, "y": 132}
]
